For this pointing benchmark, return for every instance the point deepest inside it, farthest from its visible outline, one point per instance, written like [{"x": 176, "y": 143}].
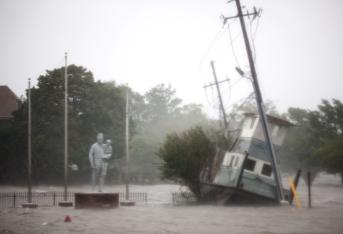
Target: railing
[
  {"x": 16, "y": 199},
  {"x": 182, "y": 198}
]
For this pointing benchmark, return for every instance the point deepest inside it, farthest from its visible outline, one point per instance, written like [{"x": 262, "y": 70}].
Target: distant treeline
[
  {"x": 315, "y": 142},
  {"x": 94, "y": 107}
]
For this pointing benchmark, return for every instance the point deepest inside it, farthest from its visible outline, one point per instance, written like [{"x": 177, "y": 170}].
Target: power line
[
  {"x": 232, "y": 47},
  {"x": 253, "y": 34},
  {"x": 252, "y": 40},
  {"x": 220, "y": 55},
  {"x": 208, "y": 100},
  {"x": 215, "y": 39},
  {"x": 245, "y": 100},
  {"x": 256, "y": 27}
]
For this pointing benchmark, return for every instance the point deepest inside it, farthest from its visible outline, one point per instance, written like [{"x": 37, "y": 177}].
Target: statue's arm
[{"x": 108, "y": 153}]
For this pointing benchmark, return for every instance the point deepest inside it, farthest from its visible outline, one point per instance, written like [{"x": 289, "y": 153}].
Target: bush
[{"x": 184, "y": 155}]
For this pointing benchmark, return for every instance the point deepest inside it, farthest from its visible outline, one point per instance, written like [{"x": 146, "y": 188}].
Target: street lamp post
[
  {"x": 65, "y": 129},
  {"x": 29, "y": 184},
  {"x": 127, "y": 201},
  {"x": 29, "y": 203}
]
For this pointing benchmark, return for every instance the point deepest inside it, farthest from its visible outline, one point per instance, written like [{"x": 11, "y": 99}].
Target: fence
[
  {"x": 16, "y": 199},
  {"x": 182, "y": 198}
]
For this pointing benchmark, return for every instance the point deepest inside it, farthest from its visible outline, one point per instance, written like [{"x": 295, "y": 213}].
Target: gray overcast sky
[{"x": 299, "y": 46}]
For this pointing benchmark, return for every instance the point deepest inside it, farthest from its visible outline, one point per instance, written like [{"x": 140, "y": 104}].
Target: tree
[
  {"x": 93, "y": 107},
  {"x": 156, "y": 114},
  {"x": 327, "y": 125},
  {"x": 161, "y": 102},
  {"x": 300, "y": 144},
  {"x": 314, "y": 144},
  {"x": 184, "y": 155},
  {"x": 331, "y": 155}
]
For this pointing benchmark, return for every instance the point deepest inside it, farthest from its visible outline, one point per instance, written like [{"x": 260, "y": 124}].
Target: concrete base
[
  {"x": 65, "y": 204},
  {"x": 96, "y": 200},
  {"x": 30, "y": 205},
  {"x": 284, "y": 203},
  {"x": 127, "y": 203}
]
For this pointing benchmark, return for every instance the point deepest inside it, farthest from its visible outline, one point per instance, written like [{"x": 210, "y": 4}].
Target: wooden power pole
[
  {"x": 219, "y": 95},
  {"x": 258, "y": 96},
  {"x": 259, "y": 101}
]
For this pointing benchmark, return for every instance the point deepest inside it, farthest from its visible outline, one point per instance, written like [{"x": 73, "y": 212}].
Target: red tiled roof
[{"x": 8, "y": 102}]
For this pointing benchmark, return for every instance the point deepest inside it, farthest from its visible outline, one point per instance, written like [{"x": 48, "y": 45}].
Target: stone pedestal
[
  {"x": 127, "y": 203},
  {"x": 30, "y": 205},
  {"x": 96, "y": 200}
]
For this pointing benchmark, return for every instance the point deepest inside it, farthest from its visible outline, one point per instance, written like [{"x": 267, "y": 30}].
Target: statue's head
[{"x": 100, "y": 138}]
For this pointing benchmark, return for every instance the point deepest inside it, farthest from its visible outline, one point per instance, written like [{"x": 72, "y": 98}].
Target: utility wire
[
  {"x": 241, "y": 105},
  {"x": 211, "y": 103},
  {"x": 218, "y": 35},
  {"x": 252, "y": 39},
  {"x": 256, "y": 27},
  {"x": 253, "y": 35},
  {"x": 220, "y": 55},
  {"x": 232, "y": 47}
]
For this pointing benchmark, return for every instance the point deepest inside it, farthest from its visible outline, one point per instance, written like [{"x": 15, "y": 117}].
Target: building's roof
[
  {"x": 272, "y": 119},
  {"x": 8, "y": 102}
]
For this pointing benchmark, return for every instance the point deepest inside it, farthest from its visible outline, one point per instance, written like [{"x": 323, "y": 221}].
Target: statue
[
  {"x": 107, "y": 151},
  {"x": 99, "y": 154},
  {"x": 107, "y": 155}
]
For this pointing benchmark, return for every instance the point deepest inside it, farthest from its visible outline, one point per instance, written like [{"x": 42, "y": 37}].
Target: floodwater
[{"x": 160, "y": 216}]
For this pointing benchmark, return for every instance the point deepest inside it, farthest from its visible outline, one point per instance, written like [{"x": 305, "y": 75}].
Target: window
[
  {"x": 228, "y": 160},
  {"x": 247, "y": 123},
  {"x": 266, "y": 170},
  {"x": 275, "y": 131},
  {"x": 231, "y": 161},
  {"x": 250, "y": 164},
  {"x": 252, "y": 123},
  {"x": 236, "y": 162}
]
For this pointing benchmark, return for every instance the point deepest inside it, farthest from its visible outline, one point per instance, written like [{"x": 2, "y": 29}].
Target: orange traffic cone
[{"x": 67, "y": 219}]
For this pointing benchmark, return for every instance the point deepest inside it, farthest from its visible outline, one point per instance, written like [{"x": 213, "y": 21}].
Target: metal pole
[
  {"x": 259, "y": 102},
  {"x": 29, "y": 185},
  {"x": 219, "y": 94},
  {"x": 65, "y": 128},
  {"x": 295, "y": 181},
  {"x": 127, "y": 142},
  {"x": 309, "y": 189}
]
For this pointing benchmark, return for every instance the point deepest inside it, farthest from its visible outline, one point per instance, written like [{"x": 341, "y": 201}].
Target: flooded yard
[{"x": 160, "y": 216}]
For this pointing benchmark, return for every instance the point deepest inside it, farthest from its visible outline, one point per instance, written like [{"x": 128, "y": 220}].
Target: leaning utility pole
[
  {"x": 259, "y": 101},
  {"x": 65, "y": 195},
  {"x": 219, "y": 95}
]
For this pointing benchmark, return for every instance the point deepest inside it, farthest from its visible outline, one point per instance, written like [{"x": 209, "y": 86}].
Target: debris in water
[{"x": 67, "y": 219}]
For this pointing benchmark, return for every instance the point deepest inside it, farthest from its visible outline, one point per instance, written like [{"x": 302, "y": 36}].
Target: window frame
[
  {"x": 271, "y": 170},
  {"x": 255, "y": 165}
]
